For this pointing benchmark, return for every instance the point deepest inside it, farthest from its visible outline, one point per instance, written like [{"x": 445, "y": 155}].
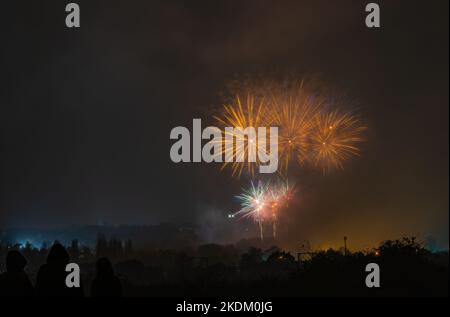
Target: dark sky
[{"x": 86, "y": 113}]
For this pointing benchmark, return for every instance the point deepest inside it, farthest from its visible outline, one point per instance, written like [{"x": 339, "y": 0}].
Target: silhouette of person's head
[
  {"x": 58, "y": 255},
  {"x": 51, "y": 278},
  {"x": 105, "y": 282},
  {"x": 104, "y": 268},
  {"x": 15, "y": 281},
  {"x": 15, "y": 261}
]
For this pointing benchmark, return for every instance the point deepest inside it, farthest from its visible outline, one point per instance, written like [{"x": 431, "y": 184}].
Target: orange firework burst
[
  {"x": 335, "y": 139},
  {"x": 241, "y": 115},
  {"x": 293, "y": 112},
  {"x": 307, "y": 132}
]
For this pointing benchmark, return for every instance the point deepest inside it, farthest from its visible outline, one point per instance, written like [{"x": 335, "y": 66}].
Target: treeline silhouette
[{"x": 407, "y": 269}]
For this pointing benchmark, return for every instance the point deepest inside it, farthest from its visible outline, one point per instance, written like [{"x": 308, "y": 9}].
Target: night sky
[{"x": 86, "y": 113}]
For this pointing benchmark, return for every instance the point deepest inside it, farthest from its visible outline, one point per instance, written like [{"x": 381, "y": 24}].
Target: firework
[
  {"x": 241, "y": 114},
  {"x": 253, "y": 201},
  {"x": 310, "y": 131},
  {"x": 293, "y": 112},
  {"x": 263, "y": 202},
  {"x": 335, "y": 139}
]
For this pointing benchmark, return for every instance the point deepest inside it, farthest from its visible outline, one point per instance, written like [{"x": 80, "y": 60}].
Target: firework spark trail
[
  {"x": 241, "y": 115},
  {"x": 293, "y": 112},
  {"x": 252, "y": 203},
  {"x": 263, "y": 202},
  {"x": 335, "y": 139},
  {"x": 308, "y": 133}
]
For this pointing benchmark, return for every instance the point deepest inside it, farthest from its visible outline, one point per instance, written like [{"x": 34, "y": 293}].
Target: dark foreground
[{"x": 406, "y": 269}]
